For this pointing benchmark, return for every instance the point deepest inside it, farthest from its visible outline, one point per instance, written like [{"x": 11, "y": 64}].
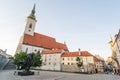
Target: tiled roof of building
[
  {"x": 54, "y": 51},
  {"x": 97, "y": 59},
  {"x": 75, "y": 54},
  {"x": 44, "y": 41}
]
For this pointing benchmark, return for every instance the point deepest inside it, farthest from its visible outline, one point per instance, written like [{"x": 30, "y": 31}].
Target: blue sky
[{"x": 84, "y": 24}]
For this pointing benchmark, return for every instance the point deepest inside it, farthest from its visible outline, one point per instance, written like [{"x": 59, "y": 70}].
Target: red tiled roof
[
  {"x": 44, "y": 41},
  {"x": 52, "y": 51},
  {"x": 75, "y": 54},
  {"x": 96, "y": 59}
]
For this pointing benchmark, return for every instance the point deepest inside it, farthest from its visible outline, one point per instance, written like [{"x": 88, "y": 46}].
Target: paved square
[{"x": 48, "y": 75}]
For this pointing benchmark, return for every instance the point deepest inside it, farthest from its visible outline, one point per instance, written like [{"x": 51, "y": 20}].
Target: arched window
[
  {"x": 30, "y": 26},
  {"x": 26, "y": 50}
]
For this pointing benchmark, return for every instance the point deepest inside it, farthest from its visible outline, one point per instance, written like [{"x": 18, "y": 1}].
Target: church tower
[{"x": 30, "y": 24}]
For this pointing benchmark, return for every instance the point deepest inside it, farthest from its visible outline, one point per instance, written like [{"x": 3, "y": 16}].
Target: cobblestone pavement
[{"x": 47, "y": 75}]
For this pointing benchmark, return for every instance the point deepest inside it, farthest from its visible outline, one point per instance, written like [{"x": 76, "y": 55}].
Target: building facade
[
  {"x": 115, "y": 48},
  {"x": 69, "y": 63},
  {"x": 31, "y": 41},
  {"x": 99, "y": 65},
  {"x": 52, "y": 59}
]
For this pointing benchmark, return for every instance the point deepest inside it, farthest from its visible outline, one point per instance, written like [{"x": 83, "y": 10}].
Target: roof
[
  {"x": 44, "y": 41},
  {"x": 75, "y": 54},
  {"x": 52, "y": 51},
  {"x": 97, "y": 59}
]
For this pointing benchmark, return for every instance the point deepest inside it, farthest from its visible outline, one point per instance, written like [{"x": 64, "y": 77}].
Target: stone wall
[
  {"x": 69, "y": 68},
  {"x": 74, "y": 68}
]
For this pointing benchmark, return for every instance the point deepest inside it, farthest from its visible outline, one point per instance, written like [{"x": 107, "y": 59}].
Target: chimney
[{"x": 79, "y": 51}]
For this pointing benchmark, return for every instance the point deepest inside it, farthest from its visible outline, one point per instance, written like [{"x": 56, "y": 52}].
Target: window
[
  {"x": 26, "y": 49},
  {"x": 35, "y": 50},
  {"x": 68, "y": 59},
  {"x": 29, "y": 30},
  {"x": 63, "y": 63},
  {"x": 44, "y": 63},
  {"x": 30, "y": 26},
  {"x": 63, "y": 59},
  {"x": 45, "y": 59},
  {"x": 71, "y": 59},
  {"x": 71, "y": 63},
  {"x": 68, "y": 63}
]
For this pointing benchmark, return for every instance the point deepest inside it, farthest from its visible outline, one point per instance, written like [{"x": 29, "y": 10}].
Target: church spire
[
  {"x": 30, "y": 24},
  {"x": 32, "y": 14}
]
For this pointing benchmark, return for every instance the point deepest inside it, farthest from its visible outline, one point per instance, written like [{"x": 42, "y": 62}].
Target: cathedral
[{"x": 32, "y": 42}]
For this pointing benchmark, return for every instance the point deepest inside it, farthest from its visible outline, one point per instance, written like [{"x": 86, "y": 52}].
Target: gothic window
[
  {"x": 30, "y": 26},
  {"x": 26, "y": 49}
]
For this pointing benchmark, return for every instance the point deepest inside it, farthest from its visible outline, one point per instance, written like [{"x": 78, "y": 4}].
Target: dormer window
[{"x": 30, "y": 26}]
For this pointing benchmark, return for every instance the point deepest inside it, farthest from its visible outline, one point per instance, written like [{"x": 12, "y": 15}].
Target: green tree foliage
[
  {"x": 37, "y": 60},
  {"x": 79, "y": 62},
  {"x": 19, "y": 59}
]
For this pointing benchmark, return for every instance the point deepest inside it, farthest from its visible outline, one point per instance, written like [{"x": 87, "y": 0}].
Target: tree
[
  {"x": 37, "y": 60},
  {"x": 79, "y": 62},
  {"x": 19, "y": 59}
]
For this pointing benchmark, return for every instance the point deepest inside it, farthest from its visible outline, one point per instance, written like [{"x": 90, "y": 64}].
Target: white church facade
[{"x": 31, "y": 41}]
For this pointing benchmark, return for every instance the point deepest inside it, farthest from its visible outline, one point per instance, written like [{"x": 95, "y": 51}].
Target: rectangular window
[
  {"x": 71, "y": 63},
  {"x": 26, "y": 50},
  {"x": 68, "y": 59},
  {"x": 68, "y": 63},
  {"x": 71, "y": 59}
]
